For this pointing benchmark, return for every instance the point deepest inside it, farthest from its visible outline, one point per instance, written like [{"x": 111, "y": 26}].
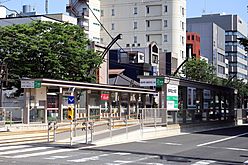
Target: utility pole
[
  {"x": 3, "y": 77},
  {"x": 46, "y": 6}
]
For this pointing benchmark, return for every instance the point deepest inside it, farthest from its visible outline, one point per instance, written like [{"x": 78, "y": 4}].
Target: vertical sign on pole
[{"x": 172, "y": 97}]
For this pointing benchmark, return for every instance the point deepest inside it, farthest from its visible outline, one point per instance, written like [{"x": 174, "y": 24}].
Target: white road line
[
  {"x": 121, "y": 153},
  {"x": 84, "y": 159},
  {"x": 57, "y": 157},
  {"x": 204, "y": 162},
  {"x": 174, "y": 144},
  {"x": 23, "y": 150},
  {"x": 228, "y": 148},
  {"x": 13, "y": 147},
  {"x": 221, "y": 140},
  {"x": 41, "y": 153},
  {"x": 88, "y": 158}
]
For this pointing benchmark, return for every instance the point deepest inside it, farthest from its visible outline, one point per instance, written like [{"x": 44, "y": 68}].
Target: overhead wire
[{"x": 103, "y": 25}]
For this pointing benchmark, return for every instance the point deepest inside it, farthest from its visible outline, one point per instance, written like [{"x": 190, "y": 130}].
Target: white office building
[{"x": 143, "y": 21}]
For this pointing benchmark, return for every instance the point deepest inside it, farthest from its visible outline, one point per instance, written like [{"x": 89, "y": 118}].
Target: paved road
[{"x": 224, "y": 146}]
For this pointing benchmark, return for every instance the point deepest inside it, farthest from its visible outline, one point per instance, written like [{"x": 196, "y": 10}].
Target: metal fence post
[
  {"x": 54, "y": 131},
  {"x": 86, "y": 132},
  {"x": 70, "y": 133}
]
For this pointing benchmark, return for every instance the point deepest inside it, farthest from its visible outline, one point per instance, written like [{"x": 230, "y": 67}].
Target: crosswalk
[{"x": 77, "y": 156}]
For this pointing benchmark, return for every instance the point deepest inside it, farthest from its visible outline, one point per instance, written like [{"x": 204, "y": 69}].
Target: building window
[
  {"x": 102, "y": 13},
  {"x": 112, "y": 26},
  {"x": 182, "y": 25},
  {"x": 165, "y": 8},
  {"x": 135, "y": 10},
  {"x": 155, "y": 59},
  {"x": 193, "y": 37},
  {"x": 127, "y": 45},
  {"x": 147, "y": 10},
  {"x": 135, "y": 39},
  {"x": 148, "y": 23},
  {"x": 148, "y": 38},
  {"x": 165, "y": 38},
  {"x": 183, "y": 11},
  {"x": 182, "y": 40},
  {"x": 165, "y": 23},
  {"x": 113, "y": 12},
  {"x": 182, "y": 54},
  {"x": 135, "y": 25},
  {"x": 188, "y": 37}
]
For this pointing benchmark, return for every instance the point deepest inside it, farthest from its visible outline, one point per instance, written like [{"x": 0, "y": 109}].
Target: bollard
[
  {"x": 48, "y": 131},
  {"x": 91, "y": 129},
  {"x": 54, "y": 131}
]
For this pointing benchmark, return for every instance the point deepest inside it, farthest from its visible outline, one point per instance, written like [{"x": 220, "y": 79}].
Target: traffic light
[{"x": 70, "y": 113}]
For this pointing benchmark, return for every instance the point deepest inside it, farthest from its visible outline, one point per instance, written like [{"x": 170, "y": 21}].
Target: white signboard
[
  {"x": 27, "y": 84},
  {"x": 147, "y": 82},
  {"x": 172, "y": 97}
]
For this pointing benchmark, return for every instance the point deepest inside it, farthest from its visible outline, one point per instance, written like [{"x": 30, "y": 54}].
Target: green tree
[
  {"x": 47, "y": 50},
  {"x": 199, "y": 70}
]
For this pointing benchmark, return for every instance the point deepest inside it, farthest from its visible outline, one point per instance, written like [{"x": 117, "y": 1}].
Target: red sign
[{"x": 105, "y": 96}]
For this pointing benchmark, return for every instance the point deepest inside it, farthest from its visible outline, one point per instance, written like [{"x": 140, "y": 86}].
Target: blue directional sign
[{"x": 71, "y": 100}]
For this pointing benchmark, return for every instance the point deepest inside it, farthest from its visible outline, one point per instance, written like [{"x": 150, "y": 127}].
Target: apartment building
[
  {"x": 143, "y": 21},
  {"x": 212, "y": 45},
  {"x": 87, "y": 13},
  {"x": 234, "y": 28}
]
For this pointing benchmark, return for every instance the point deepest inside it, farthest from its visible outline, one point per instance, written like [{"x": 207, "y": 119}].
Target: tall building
[
  {"x": 87, "y": 13},
  {"x": 212, "y": 45},
  {"x": 234, "y": 28},
  {"x": 193, "y": 46},
  {"x": 142, "y": 21}
]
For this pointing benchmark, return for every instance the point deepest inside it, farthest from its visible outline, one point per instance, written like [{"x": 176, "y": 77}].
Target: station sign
[
  {"x": 147, "y": 82},
  {"x": 30, "y": 84}
]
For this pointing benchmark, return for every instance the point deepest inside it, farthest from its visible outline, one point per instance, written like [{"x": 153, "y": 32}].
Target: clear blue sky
[{"x": 194, "y": 7}]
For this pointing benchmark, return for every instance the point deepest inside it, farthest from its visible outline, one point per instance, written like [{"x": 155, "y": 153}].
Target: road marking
[
  {"x": 121, "y": 153},
  {"x": 13, "y": 147},
  {"x": 204, "y": 162},
  {"x": 228, "y": 148},
  {"x": 221, "y": 140},
  {"x": 41, "y": 153},
  {"x": 57, "y": 157},
  {"x": 23, "y": 150},
  {"x": 88, "y": 158},
  {"x": 174, "y": 144}
]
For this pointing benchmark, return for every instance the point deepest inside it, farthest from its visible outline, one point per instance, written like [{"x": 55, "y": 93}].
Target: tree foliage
[
  {"x": 199, "y": 70},
  {"x": 47, "y": 50}
]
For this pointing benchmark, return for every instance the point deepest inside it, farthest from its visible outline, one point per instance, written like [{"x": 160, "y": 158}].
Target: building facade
[
  {"x": 234, "y": 28},
  {"x": 87, "y": 13},
  {"x": 142, "y": 21},
  {"x": 212, "y": 44},
  {"x": 193, "y": 46}
]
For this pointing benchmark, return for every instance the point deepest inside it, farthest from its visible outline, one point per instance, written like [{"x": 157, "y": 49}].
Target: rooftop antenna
[
  {"x": 205, "y": 6},
  {"x": 46, "y": 6}
]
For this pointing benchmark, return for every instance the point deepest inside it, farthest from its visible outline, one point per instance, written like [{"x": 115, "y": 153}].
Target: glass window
[
  {"x": 135, "y": 39},
  {"x": 165, "y": 38},
  {"x": 135, "y": 25},
  {"x": 135, "y": 10},
  {"x": 165, "y": 8},
  {"x": 113, "y": 12},
  {"x": 147, "y": 10},
  {"x": 113, "y": 26},
  {"x": 165, "y": 23}
]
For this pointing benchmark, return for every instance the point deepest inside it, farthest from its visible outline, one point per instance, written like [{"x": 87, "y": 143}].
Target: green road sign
[
  {"x": 37, "y": 84},
  {"x": 159, "y": 82}
]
